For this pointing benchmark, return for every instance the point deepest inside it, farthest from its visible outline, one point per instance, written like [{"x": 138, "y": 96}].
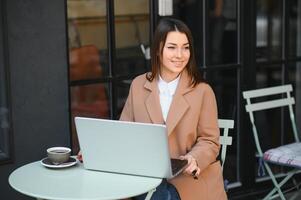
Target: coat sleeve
[
  {"x": 206, "y": 148},
  {"x": 127, "y": 113}
]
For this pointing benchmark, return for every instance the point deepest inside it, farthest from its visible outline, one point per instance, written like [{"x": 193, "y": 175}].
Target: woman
[{"x": 174, "y": 93}]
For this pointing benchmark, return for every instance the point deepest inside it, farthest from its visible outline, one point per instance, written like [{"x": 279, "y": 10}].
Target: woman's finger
[
  {"x": 191, "y": 168},
  {"x": 198, "y": 172},
  {"x": 79, "y": 156}
]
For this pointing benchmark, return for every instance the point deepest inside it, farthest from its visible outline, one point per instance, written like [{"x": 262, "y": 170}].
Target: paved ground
[{"x": 293, "y": 196}]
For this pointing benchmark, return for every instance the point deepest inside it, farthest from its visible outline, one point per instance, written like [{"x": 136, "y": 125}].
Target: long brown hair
[{"x": 165, "y": 26}]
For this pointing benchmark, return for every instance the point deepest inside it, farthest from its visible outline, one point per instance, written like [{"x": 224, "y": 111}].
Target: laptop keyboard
[{"x": 177, "y": 165}]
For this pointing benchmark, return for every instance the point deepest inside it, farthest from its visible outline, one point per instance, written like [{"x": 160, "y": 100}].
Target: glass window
[
  {"x": 222, "y": 32},
  {"x": 224, "y": 84},
  {"x": 94, "y": 91},
  {"x": 294, "y": 28},
  {"x": 88, "y": 60},
  {"x": 131, "y": 31},
  {"x": 123, "y": 88},
  {"x": 88, "y": 101},
  {"x": 268, "y": 122},
  {"x": 268, "y": 30},
  {"x": 87, "y": 31},
  {"x": 191, "y": 13},
  {"x": 269, "y": 125},
  {"x": 268, "y": 75},
  {"x": 294, "y": 74}
]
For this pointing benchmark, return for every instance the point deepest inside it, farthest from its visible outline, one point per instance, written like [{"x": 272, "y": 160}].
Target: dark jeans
[{"x": 165, "y": 191}]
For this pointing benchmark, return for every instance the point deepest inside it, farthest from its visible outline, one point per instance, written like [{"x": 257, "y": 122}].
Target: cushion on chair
[{"x": 287, "y": 155}]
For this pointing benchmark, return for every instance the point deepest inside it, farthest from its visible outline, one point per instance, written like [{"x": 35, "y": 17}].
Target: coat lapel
[
  {"x": 152, "y": 102},
  {"x": 179, "y": 105}
]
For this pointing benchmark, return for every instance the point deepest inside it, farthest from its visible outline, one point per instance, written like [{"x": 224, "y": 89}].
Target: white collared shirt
[{"x": 166, "y": 93}]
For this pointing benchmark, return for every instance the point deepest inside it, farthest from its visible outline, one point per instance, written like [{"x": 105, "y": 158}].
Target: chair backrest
[
  {"x": 284, "y": 101},
  {"x": 225, "y": 140}
]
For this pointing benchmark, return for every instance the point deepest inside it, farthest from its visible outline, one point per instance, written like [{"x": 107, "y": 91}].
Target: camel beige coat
[{"x": 192, "y": 129}]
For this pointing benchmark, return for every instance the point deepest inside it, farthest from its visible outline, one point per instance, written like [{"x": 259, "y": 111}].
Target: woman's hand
[
  {"x": 79, "y": 156},
  {"x": 192, "y": 166}
]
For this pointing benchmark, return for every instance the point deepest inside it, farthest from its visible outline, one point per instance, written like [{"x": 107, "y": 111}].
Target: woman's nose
[{"x": 179, "y": 52}]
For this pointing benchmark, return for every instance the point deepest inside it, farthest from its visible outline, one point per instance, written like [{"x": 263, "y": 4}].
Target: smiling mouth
[{"x": 177, "y": 62}]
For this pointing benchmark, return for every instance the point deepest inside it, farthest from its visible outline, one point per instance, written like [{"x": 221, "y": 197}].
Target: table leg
[{"x": 149, "y": 194}]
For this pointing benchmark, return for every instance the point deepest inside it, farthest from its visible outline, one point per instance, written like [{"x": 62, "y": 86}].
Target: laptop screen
[{"x": 124, "y": 147}]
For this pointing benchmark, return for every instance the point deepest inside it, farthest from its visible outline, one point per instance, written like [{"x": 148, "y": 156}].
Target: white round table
[{"x": 77, "y": 183}]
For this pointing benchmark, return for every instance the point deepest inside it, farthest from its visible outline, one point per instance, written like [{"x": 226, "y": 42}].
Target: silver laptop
[{"x": 126, "y": 147}]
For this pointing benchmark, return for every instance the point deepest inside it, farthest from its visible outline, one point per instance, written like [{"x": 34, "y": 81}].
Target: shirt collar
[{"x": 168, "y": 87}]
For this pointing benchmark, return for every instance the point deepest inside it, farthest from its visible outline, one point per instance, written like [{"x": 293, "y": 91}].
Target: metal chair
[
  {"x": 225, "y": 140},
  {"x": 285, "y": 155}
]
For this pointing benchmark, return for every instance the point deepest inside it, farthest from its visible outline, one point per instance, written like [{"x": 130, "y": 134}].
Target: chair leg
[
  {"x": 277, "y": 187},
  {"x": 290, "y": 174},
  {"x": 150, "y": 194}
]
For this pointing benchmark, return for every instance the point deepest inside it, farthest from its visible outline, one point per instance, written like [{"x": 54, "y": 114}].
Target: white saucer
[{"x": 47, "y": 163}]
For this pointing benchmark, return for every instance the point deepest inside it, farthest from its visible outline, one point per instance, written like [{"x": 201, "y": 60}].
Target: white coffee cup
[{"x": 58, "y": 155}]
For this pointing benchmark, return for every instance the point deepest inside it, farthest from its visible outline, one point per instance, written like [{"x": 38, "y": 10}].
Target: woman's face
[{"x": 175, "y": 55}]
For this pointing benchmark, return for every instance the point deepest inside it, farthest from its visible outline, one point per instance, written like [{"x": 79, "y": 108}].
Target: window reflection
[
  {"x": 268, "y": 75},
  {"x": 224, "y": 84},
  {"x": 222, "y": 32},
  {"x": 295, "y": 79},
  {"x": 269, "y": 121},
  {"x": 294, "y": 28},
  {"x": 122, "y": 89},
  {"x": 87, "y": 32},
  {"x": 131, "y": 30},
  {"x": 84, "y": 63},
  {"x": 268, "y": 30},
  {"x": 87, "y": 39},
  {"x": 191, "y": 13},
  {"x": 88, "y": 55},
  {"x": 88, "y": 101}
]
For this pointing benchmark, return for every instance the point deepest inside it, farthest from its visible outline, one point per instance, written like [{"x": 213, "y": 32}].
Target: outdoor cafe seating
[{"x": 287, "y": 155}]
